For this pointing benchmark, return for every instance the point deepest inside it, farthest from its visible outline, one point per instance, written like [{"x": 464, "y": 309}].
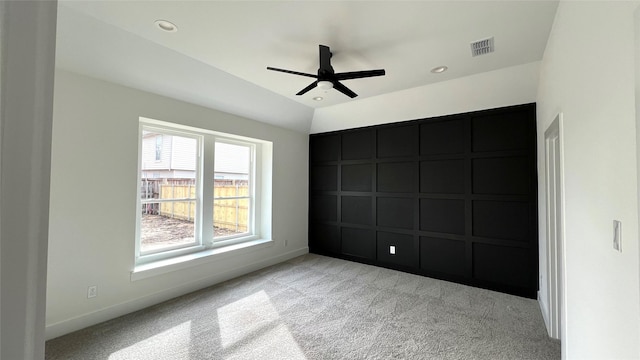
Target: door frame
[{"x": 555, "y": 249}]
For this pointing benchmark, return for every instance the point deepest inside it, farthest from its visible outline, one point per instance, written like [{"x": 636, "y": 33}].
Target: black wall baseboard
[{"x": 452, "y": 197}]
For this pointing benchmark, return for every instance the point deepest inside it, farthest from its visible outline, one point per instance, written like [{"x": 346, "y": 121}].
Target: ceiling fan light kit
[
  {"x": 327, "y": 78},
  {"x": 325, "y": 85}
]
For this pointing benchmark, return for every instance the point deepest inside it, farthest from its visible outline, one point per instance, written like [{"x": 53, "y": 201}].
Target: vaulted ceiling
[{"x": 219, "y": 54}]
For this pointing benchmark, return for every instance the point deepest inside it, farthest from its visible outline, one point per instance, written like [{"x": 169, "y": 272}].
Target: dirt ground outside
[{"x": 160, "y": 231}]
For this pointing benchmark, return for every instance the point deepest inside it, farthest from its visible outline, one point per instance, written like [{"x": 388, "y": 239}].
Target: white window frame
[
  {"x": 203, "y": 225},
  {"x": 176, "y": 250},
  {"x": 251, "y": 233}
]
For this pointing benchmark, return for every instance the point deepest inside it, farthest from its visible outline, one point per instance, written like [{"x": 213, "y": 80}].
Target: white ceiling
[{"x": 218, "y": 56}]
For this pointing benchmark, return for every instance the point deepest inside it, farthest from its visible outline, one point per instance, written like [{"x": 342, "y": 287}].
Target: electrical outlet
[
  {"x": 286, "y": 243},
  {"x": 92, "y": 291},
  {"x": 392, "y": 250}
]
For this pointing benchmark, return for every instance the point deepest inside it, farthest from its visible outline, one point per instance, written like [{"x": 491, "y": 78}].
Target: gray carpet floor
[{"x": 316, "y": 307}]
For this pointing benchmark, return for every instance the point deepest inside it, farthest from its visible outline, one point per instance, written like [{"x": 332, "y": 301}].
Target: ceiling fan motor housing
[{"x": 327, "y": 74}]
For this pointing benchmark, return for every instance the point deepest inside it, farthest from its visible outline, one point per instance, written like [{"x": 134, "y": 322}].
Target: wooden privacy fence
[{"x": 230, "y": 214}]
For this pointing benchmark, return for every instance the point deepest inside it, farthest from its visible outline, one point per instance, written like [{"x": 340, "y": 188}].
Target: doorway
[{"x": 554, "y": 216}]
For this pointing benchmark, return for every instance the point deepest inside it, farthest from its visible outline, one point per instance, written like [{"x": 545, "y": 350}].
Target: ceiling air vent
[{"x": 482, "y": 47}]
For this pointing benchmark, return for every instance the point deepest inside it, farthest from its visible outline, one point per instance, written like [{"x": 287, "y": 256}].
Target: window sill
[{"x": 198, "y": 258}]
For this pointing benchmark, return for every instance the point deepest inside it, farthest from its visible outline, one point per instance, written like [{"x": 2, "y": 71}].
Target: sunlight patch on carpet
[
  {"x": 252, "y": 328},
  {"x": 172, "y": 343}
]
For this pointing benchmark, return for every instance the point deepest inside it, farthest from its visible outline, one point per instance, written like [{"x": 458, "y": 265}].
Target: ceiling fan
[{"x": 327, "y": 78}]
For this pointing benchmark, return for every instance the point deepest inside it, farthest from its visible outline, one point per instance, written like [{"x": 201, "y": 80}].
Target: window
[{"x": 201, "y": 195}]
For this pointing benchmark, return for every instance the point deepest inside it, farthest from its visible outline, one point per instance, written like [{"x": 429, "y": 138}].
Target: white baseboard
[
  {"x": 545, "y": 314},
  {"x": 111, "y": 312}
]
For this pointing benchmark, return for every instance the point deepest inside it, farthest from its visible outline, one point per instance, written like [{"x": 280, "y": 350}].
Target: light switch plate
[
  {"x": 617, "y": 235},
  {"x": 392, "y": 250}
]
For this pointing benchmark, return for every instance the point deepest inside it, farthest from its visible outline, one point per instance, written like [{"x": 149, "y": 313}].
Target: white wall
[
  {"x": 92, "y": 220},
  {"x": 510, "y": 86},
  {"x": 27, "y": 39},
  {"x": 587, "y": 73}
]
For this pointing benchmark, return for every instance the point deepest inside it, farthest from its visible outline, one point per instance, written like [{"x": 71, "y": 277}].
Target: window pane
[
  {"x": 232, "y": 162},
  {"x": 230, "y": 217},
  {"x": 175, "y": 171},
  {"x": 232, "y": 190},
  {"x": 168, "y": 171},
  {"x": 167, "y": 225}
]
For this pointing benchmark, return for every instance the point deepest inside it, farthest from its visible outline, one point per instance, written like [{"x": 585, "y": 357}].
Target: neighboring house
[
  {"x": 174, "y": 157},
  {"x": 167, "y": 156}
]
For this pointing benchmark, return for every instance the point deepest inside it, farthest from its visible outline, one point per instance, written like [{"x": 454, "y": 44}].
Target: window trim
[
  {"x": 191, "y": 259},
  {"x": 208, "y": 245}
]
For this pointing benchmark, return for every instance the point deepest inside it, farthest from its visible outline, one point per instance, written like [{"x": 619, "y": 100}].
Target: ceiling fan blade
[
  {"x": 358, "y": 74},
  {"x": 325, "y": 59},
  {"x": 292, "y": 72},
  {"x": 304, "y": 91},
  {"x": 343, "y": 89}
]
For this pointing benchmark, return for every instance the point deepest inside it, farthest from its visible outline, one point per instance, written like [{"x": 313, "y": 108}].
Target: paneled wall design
[{"x": 450, "y": 197}]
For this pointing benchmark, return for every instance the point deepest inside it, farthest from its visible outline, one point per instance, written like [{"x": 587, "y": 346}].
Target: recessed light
[
  {"x": 167, "y": 26},
  {"x": 439, "y": 69},
  {"x": 318, "y": 98}
]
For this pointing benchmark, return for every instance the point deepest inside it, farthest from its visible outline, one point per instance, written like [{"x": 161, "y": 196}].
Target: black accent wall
[{"x": 455, "y": 195}]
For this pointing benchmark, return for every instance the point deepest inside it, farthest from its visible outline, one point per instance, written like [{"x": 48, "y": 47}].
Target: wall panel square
[
  {"x": 442, "y": 215},
  {"x": 323, "y": 208},
  {"x": 324, "y": 237},
  {"x": 502, "y": 175},
  {"x": 502, "y": 220},
  {"x": 395, "y": 212},
  {"x": 359, "y": 242},
  {"x": 442, "y": 137},
  {"x": 356, "y": 210},
  {"x": 398, "y": 141},
  {"x": 324, "y": 148},
  {"x": 504, "y": 265},
  {"x": 356, "y": 177},
  {"x": 442, "y": 176},
  {"x": 397, "y": 177},
  {"x": 324, "y": 178},
  {"x": 357, "y": 145},
  {"x": 500, "y": 132},
  {"x": 405, "y": 249},
  {"x": 443, "y": 255}
]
